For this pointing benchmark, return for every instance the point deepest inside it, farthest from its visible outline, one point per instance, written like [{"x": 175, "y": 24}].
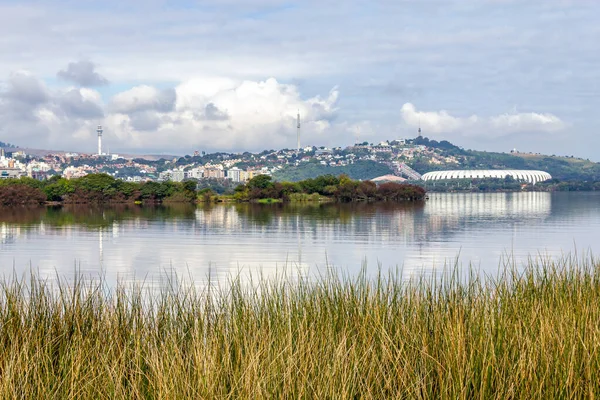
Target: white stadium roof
[{"x": 520, "y": 175}]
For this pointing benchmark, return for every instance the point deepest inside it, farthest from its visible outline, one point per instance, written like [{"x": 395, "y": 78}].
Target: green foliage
[
  {"x": 319, "y": 184},
  {"x": 57, "y": 189},
  {"x": 303, "y": 197},
  {"x": 219, "y": 186},
  {"x": 260, "y": 182},
  {"x": 206, "y": 195},
  {"x": 569, "y": 186},
  {"x": 342, "y": 189},
  {"x": 102, "y": 188},
  {"x": 444, "y": 144}
]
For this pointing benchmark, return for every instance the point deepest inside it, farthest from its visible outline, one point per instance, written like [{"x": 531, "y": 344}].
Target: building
[
  {"x": 177, "y": 176},
  {"x": 213, "y": 172},
  {"x": 7, "y": 173},
  {"x": 529, "y": 176},
  {"x": 172, "y": 175},
  {"x": 388, "y": 178},
  {"x": 234, "y": 174},
  {"x": 195, "y": 173},
  {"x": 322, "y": 152},
  {"x": 383, "y": 147}
]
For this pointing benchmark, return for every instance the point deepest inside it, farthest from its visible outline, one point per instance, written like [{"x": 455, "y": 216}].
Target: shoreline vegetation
[
  {"x": 530, "y": 332},
  {"x": 104, "y": 189}
]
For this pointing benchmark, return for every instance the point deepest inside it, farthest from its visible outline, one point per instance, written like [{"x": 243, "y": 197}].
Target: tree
[{"x": 260, "y": 182}]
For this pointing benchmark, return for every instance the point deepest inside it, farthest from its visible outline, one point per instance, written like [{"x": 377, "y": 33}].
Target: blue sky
[{"x": 230, "y": 75}]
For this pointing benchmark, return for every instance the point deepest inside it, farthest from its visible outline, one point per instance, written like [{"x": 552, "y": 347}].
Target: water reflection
[
  {"x": 491, "y": 205},
  {"x": 136, "y": 241}
]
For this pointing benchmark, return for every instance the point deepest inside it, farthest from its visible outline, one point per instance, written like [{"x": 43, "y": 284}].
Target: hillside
[
  {"x": 362, "y": 170},
  {"x": 561, "y": 168},
  {"x": 425, "y": 155}
]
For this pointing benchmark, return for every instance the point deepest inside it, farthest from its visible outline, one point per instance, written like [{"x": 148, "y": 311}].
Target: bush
[{"x": 13, "y": 195}]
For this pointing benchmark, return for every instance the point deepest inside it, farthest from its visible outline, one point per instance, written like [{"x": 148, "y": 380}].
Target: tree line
[
  {"x": 341, "y": 189},
  {"x": 103, "y": 188},
  {"x": 93, "y": 188}
]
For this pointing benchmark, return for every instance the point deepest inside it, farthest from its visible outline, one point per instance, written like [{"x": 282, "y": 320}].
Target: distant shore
[{"x": 105, "y": 189}]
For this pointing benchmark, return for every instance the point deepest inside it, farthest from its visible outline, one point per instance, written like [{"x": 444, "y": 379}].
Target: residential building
[{"x": 234, "y": 174}]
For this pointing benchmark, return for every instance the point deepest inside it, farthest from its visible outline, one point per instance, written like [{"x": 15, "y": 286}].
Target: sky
[{"x": 231, "y": 75}]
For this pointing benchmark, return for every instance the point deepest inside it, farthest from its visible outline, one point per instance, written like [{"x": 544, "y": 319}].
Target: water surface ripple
[{"x": 139, "y": 242}]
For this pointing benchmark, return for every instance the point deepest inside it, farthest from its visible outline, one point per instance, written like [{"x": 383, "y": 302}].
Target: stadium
[{"x": 529, "y": 176}]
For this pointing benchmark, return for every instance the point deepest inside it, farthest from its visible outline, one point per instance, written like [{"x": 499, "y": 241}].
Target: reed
[{"x": 531, "y": 332}]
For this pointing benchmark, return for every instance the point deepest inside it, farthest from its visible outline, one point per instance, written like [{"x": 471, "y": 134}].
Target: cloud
[
  {"x": 25, "y": 88},
  {"x": 144, "y": 98},
  {"x": 527, "y": 122},
  {"x": 442, "y": 122},
  {"x": 83, "y": 74},
  {"x": 22, "y": 96},
  {"x": 145, "y": 121},
  {"x": 212, "y": 113},
  {"x": 219, "y": 114},
  {"x": 224, "y": 114},
  {"x": 80, "y": 103},
  {"x": 32, "y": 115}
]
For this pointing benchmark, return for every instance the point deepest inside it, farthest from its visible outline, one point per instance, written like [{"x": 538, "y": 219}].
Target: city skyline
[{"x": 232, "y": 76}]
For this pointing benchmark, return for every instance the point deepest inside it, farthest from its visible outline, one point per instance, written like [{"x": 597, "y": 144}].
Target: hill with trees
[
  {"x": 561, "y": 168},
  {"x": 360, "y": 170}
]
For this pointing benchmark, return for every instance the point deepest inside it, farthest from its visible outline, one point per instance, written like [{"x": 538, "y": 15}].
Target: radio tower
[
  {"x": 298, "y": 134},
  {"x": 99, "y": 130}
]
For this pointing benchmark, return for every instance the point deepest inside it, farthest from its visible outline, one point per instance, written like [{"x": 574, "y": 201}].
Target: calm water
[{"x": 138, "y": 243}]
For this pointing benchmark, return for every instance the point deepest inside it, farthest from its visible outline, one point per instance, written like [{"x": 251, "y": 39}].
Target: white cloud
[
  {"x": 142, "y": 98},
  {"x": 216, "y": 114},
  {"x": 527, "y": 122},
  {"x": 436, "y": 121},
  {"x": 221, "y": 114},
  {"x": 442, "y": 122},
  {"x": 213, "y": 114}
]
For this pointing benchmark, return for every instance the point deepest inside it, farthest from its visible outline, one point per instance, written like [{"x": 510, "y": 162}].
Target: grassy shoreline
[{"x": 525, "y": 334}]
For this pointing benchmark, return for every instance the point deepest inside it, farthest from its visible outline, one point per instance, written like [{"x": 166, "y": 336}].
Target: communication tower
[{"x": 99, "y": 130}]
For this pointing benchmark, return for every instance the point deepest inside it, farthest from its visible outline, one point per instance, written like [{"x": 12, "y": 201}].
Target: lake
[{"x": 137, "y": 243}]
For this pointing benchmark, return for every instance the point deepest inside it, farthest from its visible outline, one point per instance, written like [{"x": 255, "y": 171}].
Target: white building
[
  {"x": 6, "y": 173},
  {"x": 196, "y": 173},
  {"x": 234, "y": 174},
  {"x": 172, "y": 175},
  {"x": 519, "y": 175}
]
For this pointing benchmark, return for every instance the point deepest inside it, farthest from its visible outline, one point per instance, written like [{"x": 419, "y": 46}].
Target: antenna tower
[{"x": 99, "y": 131}]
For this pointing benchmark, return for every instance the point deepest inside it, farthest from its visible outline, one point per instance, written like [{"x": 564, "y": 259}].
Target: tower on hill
[{"x": 99, "y": 131}]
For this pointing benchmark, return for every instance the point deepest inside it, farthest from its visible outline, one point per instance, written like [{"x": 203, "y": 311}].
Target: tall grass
[{"x": 532, "y": 333}]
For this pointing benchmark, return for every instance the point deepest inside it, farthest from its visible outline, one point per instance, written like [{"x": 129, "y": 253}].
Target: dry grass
[{"x": 531, "y": 334}]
